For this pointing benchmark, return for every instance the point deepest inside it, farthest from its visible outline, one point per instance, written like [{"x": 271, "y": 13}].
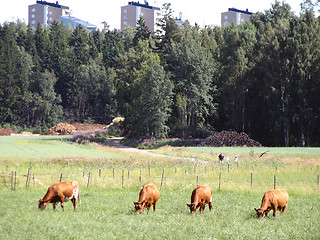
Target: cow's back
[
  {"x": 67, "y": 189},
  {"x": 151, "y": 192},
  {"x": 202, "y": 192},
  {"x": 279, "y": 197}
]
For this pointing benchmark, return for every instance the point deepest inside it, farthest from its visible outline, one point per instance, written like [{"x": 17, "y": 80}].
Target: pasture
[{"x": 110, "y": 180}]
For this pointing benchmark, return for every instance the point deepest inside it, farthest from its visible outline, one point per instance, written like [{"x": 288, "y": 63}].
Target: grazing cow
[
  {"x": 61, "y": 192},
  {"x": 200, "y": 196},
  {"x": 149, "y": 195},
  {"x": 273, "y": 200}
]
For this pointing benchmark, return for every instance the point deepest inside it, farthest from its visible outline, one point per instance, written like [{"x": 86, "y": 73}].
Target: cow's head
[
  {"x": 139, "y": 206},
  {"x": 260, "y": 213},
  {"x": 193, "y": 208},
  {"x": 42, "y": 204}
]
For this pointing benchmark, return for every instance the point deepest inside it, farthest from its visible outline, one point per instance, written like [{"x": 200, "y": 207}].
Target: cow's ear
[
  {"x": 189, "y": 205},
  {"x": 256, "y": 209},
  {"x": 142, "y": 203}
]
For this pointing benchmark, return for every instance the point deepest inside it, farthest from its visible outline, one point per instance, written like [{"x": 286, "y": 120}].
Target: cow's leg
[
  {"x": 154, "y": 207},
  {"x": 202, "y": 205},
  {"x": 74, "y": 202},
  {"x": 210, "y": 205},
  {"x": 275, "y": 210},
  {"x": 283, "y": 208},
  {"x": 54, "y": 205}
]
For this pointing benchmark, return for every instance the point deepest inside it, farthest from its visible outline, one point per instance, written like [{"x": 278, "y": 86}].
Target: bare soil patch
[{"x": 68, "y": 128}]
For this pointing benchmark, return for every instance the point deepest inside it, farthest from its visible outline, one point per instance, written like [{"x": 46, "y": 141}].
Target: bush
[{"x": 96, "y": 136}]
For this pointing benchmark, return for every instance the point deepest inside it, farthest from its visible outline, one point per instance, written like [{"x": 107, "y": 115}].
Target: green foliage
[{"x": 260, "y": 77}]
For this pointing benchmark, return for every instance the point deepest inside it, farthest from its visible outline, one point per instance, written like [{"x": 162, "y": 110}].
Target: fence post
[
  {"x": 205, "y": 169},
  {"x": 318, "y": 182},
  {"x": 175, "y": 170},
  {"x": 60, "y": 177},
  {"x": 89, "y": 177},
  {"x": 12, "y": 180},
  {"x": 140, "y": 177},
  {"x": 195, "y": 169},
  {"x": 30, "y": 175},
  {"x": 15, "y": 180},
  {"x": 251, "y": 179},
  {"x": 123, "y": 178},
  {"x": 27, "y": 177},
  {"x": 197, "y": 180},
  {"x": 162, "y": 179},
  {"x": 99, "y": 172},
  {"x": 275, "y": 181},
  {"x": 220, "y": 181},
  {"x": 128, "y": 173},
  {"x": 149, "y": 171},
  {"x": 228, "y": 167}
]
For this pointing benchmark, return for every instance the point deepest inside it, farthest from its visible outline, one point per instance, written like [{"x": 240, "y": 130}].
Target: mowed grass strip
[
  {"x": 48, "y": 147},
  {"x": 109, "y": 214}
]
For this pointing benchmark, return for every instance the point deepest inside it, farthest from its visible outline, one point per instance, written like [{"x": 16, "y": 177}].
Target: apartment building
[
  {"x": 131, "y": 13},
  {"x": 235, "y": 15},
  {"x": 45, "y": 13}
]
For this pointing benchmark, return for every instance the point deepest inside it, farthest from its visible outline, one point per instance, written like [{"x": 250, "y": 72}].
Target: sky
[{"x": 202, "y": 12}]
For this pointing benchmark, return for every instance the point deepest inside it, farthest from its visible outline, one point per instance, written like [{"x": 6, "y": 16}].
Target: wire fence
[{"x": 227, "y": 177}]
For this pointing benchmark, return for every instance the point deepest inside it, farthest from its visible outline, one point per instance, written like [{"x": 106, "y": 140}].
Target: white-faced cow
[
  {"x": 61, "y": 192},
  {"x": 273, "y": 200},
  {"x": 200, "y": 196},
  {"x": 149, "y": 195}
]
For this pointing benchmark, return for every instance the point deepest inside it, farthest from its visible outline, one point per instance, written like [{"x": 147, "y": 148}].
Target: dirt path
[{"x": 115, "y": 142}]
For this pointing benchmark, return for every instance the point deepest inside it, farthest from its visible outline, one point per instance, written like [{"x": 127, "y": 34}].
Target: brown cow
[
  {"x": 273, "y": 200},
  {"x": 149, "y": 195},
  {"x": 200, "y": 196},
  {"x": 61, "y": 192}
]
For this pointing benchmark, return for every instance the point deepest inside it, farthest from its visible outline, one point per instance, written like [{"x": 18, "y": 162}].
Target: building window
[
  {"x": 141, "y": 14},
  {"x": 125, "y": 17},
  {"x": 33, "y": 22},
  {"x": 50, "y": 13},
  {"x": 32, "y": 16},
  {"x": 33, "y": 10},
  {"x": 225, "y": 17},
  {"x": 125, "y": 23},
  {"x": 125, "y": 10}
]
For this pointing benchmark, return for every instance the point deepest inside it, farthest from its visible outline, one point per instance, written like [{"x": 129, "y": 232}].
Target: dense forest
[{"x": 261, "y": 77}]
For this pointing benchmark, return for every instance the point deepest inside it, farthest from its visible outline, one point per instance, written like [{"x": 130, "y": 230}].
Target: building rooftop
[
  {"x": 240, "y": 11},
  {"x": 146, "y": 5},
  {"x": 56, "y": 5},
  {"x": 76, "y": 21}
]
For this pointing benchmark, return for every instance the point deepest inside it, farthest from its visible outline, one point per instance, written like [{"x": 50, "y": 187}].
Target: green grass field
[{"x": 107, "y": 210}]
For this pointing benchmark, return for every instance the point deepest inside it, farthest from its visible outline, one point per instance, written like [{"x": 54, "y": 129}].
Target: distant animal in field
[
  {"x": 199, "y": 197},
  {"x": 273, "y": 200},
  {"x": 148, "y": 196},
  {"x": 61, "y": 192},
  {"x": 263, "y": 153}
]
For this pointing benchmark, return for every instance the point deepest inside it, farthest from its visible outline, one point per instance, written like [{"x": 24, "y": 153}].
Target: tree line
[{"x": 260, "y": 77}]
